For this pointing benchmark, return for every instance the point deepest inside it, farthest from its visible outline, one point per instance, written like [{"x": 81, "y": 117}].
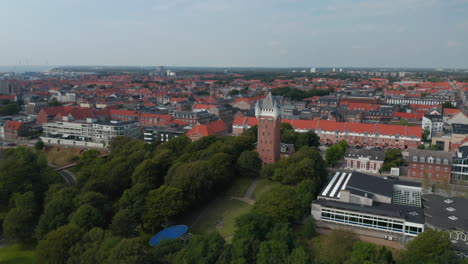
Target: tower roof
[{"x": 268, "y": 102}]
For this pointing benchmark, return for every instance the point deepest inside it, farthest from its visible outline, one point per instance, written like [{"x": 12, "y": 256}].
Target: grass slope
[{"x": 16, "y": 254}]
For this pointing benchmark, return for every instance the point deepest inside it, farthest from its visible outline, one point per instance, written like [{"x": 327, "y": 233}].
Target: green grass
[
  {"x": 220, "y": 215},
  {"x": 263, "y": 185},
  {"x": 61, "y": 156},
  {"x": 17, "y": 254},
  {"x": 239, "y": 187}
]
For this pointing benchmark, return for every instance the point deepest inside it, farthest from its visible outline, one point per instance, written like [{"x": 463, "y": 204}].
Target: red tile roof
[
  {"x": 210, "y": 129},
  {"x": 327, "y": 125},
  {"x": 408, "y": 115},
  {"x": 13, "y": 125}
]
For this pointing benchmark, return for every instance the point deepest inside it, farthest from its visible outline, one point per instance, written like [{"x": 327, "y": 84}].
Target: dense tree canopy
[
  {"x": 393, "y": 158},
  {"x": 336, "y": 152},
  {"x": 430, "y": 247},
  {"x": 56, "y": 245},
  {"x": 279, "y": 203}
]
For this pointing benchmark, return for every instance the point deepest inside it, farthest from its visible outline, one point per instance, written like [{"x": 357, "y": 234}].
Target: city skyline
[{"x": 208, "y": 33}]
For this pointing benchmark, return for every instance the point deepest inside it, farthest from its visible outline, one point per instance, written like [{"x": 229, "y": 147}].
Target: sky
[{"x": 236, "y": 33}]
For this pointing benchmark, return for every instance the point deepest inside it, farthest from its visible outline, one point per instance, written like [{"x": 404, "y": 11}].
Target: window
[
  {"x": 422, "y": 159},
  {"x": 438, "y": 161},
  {"x": 415, "y": 158},
  {"x": 445, "y": 161}
]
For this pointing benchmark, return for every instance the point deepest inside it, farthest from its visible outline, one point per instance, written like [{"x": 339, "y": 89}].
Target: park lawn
[
  {"x": 17, "y": 254},
  {"x": 263, "y": 185},
  {"x": 220, "y": 215},
  {"x": 239, "y": 187},
  {"x": 61, "y": 156}
]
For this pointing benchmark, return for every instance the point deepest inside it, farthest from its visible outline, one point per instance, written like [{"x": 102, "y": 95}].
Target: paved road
[{"x": 68, "y": 176}]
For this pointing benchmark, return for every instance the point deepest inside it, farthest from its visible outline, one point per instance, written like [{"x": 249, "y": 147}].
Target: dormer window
[
  {"x": 422, "y": 159},
  {"x": 438, "y": 160},
  {"x": 445, "y": 161},
  {"x": 415, "y": 158},
  {"x": 430, "y": 160}
]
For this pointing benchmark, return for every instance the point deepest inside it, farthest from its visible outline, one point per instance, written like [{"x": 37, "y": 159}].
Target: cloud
[
  {"x": 283, "y": 52},
  {"x": 358, "y": 47},
  {"x": 453, "y": 44},
  {"x": 273, "y": 43}
]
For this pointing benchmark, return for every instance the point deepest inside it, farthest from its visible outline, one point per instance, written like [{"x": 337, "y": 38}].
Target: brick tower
[{"x": 269, "y": 122}]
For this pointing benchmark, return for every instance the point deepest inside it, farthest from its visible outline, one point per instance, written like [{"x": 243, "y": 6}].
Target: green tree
[
  {"x": 23, "y": 170},
  {"x": 161, "y": 204},
  {"x": 273, "y": 252},
  {"x": 429, "y": 247},
  {"x": 87, "y": 250},
  {"x": 39, "y": 145},
  {"x": 54, "y": 102},
  {"x": 403, "y": 122},
  {"x": 129, "y": 250},
  {"x": 367, "y": 253},
  {"x": 336, "y": 152},
  {"x": 279, "y": 203},
  {"x": 56, "y": 211},
  {"x": 124, "y": 223},
  {"x": 307, "y": 139},
  {"x": 152, "y": 171},
  {"x": 341, "y": 241},
  {"x": 393, "y": 158},
  {"x": 54, "y": 249},
  {"x": 193, "y": 178},
  {"x": 306, "y": 193},
  {"x": 87, "y": 217},
  {"x": 299, "y": 256},
  {"x": 20, "y": 221},
  {"x": 426, "y": 134},
  {"x": 249, "y": 164},
  {"x": 448, "y": 105},
  {"x": 308, "y": 231},
  {"x": 204, "y": 249},
  {"x": 252, "y": 229}
]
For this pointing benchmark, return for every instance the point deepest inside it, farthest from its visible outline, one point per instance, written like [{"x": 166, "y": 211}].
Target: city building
[
  {"x": 370, "y": 206},
  {"x": 88, "y": 133},
  {"x": 460, "y": 166},
  {"x": 215, "y": 128},
  {"x": 193, "y": 118},
  {"x": 163, "y": 134},
  {"x": 433, "y": 121},
  {"x": 269, "y": 123},
  {"x": 355, "y": 134},
  {"x": 370, "y": 161},
  {"x": 14, "y": 130},
  {"x": 450, "y": 215},
  {"x": 429, "y": 164}
]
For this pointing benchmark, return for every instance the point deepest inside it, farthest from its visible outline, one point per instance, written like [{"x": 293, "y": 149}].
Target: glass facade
[{"x": 380, "y": 223}]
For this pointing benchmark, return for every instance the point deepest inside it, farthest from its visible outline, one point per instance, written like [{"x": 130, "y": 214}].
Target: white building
[
  {"x": 370, "y": 205},
  {"x": 88, "y": 133},
  {"x": 364, "y": 160},
  {"x": 433, "y": 121}
]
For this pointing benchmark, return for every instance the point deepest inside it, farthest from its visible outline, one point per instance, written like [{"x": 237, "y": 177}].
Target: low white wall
[{"x": 71, "y": 143}]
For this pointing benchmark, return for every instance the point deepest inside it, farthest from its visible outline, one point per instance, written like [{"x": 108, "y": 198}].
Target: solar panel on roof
[
  {"x": 344, "y": 184},
  {"x": 342, "y": 177},
  {"x": 324, "y": 193}
]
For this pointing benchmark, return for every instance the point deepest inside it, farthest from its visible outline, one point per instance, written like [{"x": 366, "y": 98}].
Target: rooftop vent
[
  {"x": 453, "y": 218},
  {"x": 448, "y": 201},
  {"x": 450, "y": 209},
  {"x": 413, "y": 214}
]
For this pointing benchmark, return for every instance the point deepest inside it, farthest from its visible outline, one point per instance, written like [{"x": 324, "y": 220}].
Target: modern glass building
[{"x": 390, "y": 209}]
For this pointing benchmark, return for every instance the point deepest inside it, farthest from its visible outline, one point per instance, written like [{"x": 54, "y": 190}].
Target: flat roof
[
  {"x": 446, "y": 213},
  {"x": 407, "y": 213}
]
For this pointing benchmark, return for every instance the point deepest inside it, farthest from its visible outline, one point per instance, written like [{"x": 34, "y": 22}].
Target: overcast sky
[{"x": 272, "y": 33}]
